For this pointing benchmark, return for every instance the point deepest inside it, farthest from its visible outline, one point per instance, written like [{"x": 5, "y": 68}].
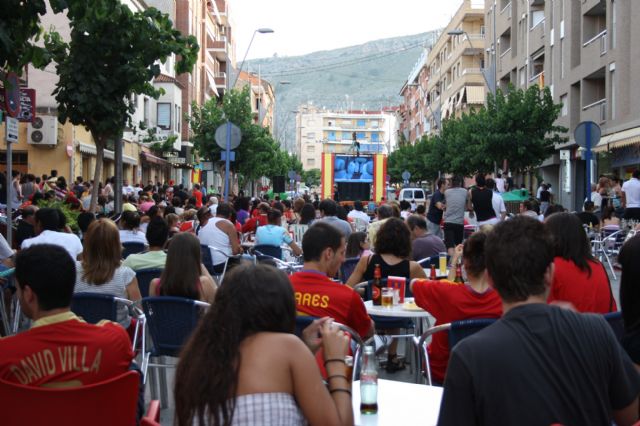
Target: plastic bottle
[{"x": 369, "y": 382}]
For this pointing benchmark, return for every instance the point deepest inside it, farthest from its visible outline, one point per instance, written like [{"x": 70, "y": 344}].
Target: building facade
[
  {"x": 584, "y": 51},
  {"x": 262, "y": 99},
  {"x": 319, "y": 130}
]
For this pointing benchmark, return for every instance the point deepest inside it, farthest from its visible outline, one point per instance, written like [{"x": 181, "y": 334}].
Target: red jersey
[
  {"x": 250, "y": 225},
  {"x": 447, "y": 302},
  {"x": 318, "y": 296},
  {"x": 198, "y": 196},
  {"x": 586, "y": 293},
  {"x": 62, "y": 350}
]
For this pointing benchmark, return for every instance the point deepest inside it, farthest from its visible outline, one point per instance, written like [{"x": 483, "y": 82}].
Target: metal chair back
[
  {"x": 268, "y": 250},
  {"x": 298, "y": 232},
  {"x": 95, "y": 307},
  {"x": 465, "y": 328},
  {"x": 347, "y": 268},
  {"x": 207, "y": 259},
  {"x": 171, "y": 321},
  {"x": 132, "y": 248},
  {"x": 145, "y": 276}
]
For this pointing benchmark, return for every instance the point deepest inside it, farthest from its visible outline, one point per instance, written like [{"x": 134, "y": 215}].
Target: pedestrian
[
  {"x": 436, "y": 209},
  {"x": 456, "y": 200},
  {"x": 631, "y": 197}
]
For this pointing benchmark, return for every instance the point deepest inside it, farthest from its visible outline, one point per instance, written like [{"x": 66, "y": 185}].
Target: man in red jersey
[
  {"x": 323, "y": 248},
  {"x": 60, "y": 350}
]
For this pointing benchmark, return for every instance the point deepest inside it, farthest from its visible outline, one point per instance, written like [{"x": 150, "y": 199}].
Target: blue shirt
[{"x": 272, "y": 235}]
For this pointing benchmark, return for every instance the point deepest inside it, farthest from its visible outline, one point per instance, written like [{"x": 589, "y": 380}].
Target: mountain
[{"x": 367, "y": 76}]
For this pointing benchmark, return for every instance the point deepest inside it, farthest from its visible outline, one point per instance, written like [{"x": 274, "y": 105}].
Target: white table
[
  {"x": 400, "y": 403},
  {"x": 396, "y": 311}
]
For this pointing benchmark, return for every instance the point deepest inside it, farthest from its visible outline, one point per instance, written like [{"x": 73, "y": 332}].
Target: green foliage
[
  {"x": 113, "y": 54},
  {"x": 258, "y": 154},
  {"x": 517, "y": 126},
  {"x": 158, "y": 145},
  {"x": 71, "y": 216},
  {"x": 312, "y": 177},
  {"x": 19, "y": 29}
]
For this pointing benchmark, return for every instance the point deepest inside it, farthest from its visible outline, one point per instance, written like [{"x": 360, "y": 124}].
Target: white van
[{"x": 418, "y": 195}]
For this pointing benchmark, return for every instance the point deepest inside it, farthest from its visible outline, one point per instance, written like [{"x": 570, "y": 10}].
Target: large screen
[{"x": 349, "y": 168}]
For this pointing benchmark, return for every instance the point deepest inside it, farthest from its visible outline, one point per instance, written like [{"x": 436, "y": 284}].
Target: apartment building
[
  {"x": 319, "y": 130},
  {"x": 45, "y": 144},
  {"x": 454, "y": 66},
  {"x": 261, "y": 97},
  {"x": 584, "y": 51},
  {"x": 412, "y": 119}
]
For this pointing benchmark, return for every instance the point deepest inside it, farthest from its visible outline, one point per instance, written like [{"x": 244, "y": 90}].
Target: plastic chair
[
  {"x": 458, "y": 330},
  {"x": 145, "y": 276},
  {"x": 132, "y": 248},
  {"x": 616, "y": 322},
  {"x": 95, "y": 307},
  {"x": 218, "y": 271},
  {"x": 207, "y": 260},
  {"x": 298, "y": 232},
  {"x": 171, "y": 320},
  {"x": 6, "y": 284},
  {"x": 268, "y": 250},
  {"x": 111, "y": 402},
  {"x": 347, "y": 267}
]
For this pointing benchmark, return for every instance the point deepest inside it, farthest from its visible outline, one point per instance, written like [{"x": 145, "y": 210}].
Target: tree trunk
[{"x": 97, "y": 174}]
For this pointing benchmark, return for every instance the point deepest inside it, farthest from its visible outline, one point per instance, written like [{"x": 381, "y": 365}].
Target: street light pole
[{"x": 228, "y": 90}]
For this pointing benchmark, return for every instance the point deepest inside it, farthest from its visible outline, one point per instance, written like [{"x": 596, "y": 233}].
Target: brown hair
[
  {"x": 181, "y": 274},
  {"x": 102, "y": 251}
]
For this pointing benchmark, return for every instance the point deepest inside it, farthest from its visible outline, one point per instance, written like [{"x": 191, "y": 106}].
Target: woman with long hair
[
  {"x": 244, "y": 364},
  {"x": 183, "y": 274},
  {"x": 100, "y": 270},
  {"x": 307, "y": 214},
  {"x": 609, "y": 219},
  {"x": 392, "y": 251},
  {"x": 578, "y": 277},
  {"x": 357, "y": 245}
]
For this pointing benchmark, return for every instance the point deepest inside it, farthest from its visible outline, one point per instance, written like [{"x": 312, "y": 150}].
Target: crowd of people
[{"x": 534, "y": 271}]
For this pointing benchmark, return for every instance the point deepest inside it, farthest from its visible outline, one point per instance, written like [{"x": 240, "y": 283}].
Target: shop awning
[
  {"x": 475, "y": 94},
  {"x": 618, "y": 140},
  {"x": 212, "y": 83},
  {"x": 150, "y": 158},
  {"x": 108, "y": 154}
]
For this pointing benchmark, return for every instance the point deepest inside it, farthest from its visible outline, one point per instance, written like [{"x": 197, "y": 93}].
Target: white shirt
[
  {"x": 498, "y": 205},
  {"x": 5, "y": 249},
  {"x": 70, "y": 242},
  {"x": 129, "y": 236},
  {"x": 211, "y": 235},
  {"x": 356, "y": 214},
  {"x": 631, "y": 189},
  {"x": 500, "y": 184},
  {"x": 597, "y": 199}
]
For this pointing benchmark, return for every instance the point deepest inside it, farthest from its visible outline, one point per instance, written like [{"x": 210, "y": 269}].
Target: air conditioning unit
[{"x": 43, "y": 131}]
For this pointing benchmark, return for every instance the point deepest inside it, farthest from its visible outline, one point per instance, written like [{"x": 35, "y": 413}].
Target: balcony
[
  {"x": 596, "y": 45},
  {"x": 221, "y": 80},
  {"x": 218, "y": 48},
  {"x": 596, "y": 111}
]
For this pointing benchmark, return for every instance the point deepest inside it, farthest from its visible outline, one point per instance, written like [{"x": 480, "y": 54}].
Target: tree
[
  {"x": 112, "y": 55},
  {"x": 312, "y": 177},
  {"x": 19, "y": 29}
]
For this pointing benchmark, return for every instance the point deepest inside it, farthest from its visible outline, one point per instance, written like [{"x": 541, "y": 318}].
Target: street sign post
[
  {"x": 228, "y": 137},
  {"x": 11, "y": 137},
  {"x": 587, "y": 135}
]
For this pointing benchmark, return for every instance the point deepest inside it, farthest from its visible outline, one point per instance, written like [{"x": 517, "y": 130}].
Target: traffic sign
[
  {"x": 12, "y": 130},
  {"x": 232, "y": 156},
  {"x": 12, "y": 95},
  {"x": 587, "y": 133},
  {"x": 221, "y": 136},
  {"x": 406, "y": 175},
  {"x": 291, "y": 174}
]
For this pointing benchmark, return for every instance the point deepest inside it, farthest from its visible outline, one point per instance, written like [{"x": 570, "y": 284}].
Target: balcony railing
[
  {"x": 602, "y": 37},
  {"x": 506, "y": 9},
  {"x": 599, "y": 108},
  {"x": 221, "y": 79}
]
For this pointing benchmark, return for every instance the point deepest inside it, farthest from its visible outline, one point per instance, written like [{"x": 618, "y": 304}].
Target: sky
[{"x": 305, "y": 26}]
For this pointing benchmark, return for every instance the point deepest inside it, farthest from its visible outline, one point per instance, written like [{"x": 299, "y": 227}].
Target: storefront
[{"x": 619, "y": 153}]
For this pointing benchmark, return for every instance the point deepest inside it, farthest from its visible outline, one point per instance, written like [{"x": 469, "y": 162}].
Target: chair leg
[
  {"x": 153, "y": 382},
  {"x": 6, "y": 325},
  {"x": 16, "y": 318},
  {"x": 164, "y": 390}
]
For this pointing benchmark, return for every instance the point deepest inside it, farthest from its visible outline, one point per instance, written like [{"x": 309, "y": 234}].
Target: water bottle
[{"x": 369, "y": 382}]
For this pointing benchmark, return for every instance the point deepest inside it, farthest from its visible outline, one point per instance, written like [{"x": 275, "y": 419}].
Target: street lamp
[
  {"x": 259, "y": 30},
  {"x": 228, "y": 138},
  {"x": 491, "y": 85}
]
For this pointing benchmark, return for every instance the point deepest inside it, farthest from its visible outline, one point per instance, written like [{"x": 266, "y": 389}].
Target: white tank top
[{"x": 211, "y": 235}]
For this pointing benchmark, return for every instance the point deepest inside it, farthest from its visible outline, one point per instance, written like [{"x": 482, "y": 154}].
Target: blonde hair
[{"x": 102, "y": 252}]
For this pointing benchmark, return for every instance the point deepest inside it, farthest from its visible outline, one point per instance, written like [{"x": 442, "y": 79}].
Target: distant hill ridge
[{"x": 366, "y": 76}]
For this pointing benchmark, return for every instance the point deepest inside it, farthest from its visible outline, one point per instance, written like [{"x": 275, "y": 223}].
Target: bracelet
[
  {"x": 337, "y": 375},
  {"x": 340, "y": 390},
  {"x": 327, "y": 361}
]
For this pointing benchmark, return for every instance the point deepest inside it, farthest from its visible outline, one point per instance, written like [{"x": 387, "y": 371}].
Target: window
[
  {"x": 311, "y": 135},
  {"x": 361, "y": 123},
  {"x": 523, "y": 77},
  {"x": 374, "y": 124},
  {"x": 311, "y": 162},
  {"x": 612, "y": 74},
  {"x": 178, "y": 118},
  {"x": 146, "y": 112},
  {"x": 375, "y": 137},
  {"x": 164, "y": 115},
  {"x": 361, "y": 135},
  {"x": 565, "y": 105},
  {"x": 332, "y": 136},
  {"x": 311, "y": 148},
  {"x": 614, "y": 21},
  {"x": 562, "y": 58}
]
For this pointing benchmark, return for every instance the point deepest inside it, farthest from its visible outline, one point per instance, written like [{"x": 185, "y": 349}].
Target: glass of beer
[
  {"x": 387, "y": 297},
  {"x": 443, "y": 263},
  {"x": 348, "y": 360}
]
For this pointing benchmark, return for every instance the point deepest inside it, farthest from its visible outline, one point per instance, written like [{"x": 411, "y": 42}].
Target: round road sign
[
  {"x": 221, "y": 136},
  {"x": 587, "y": 133}
]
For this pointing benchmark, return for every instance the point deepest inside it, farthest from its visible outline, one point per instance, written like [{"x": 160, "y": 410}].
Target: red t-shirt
[
  {"x": 447, "y": 302},
  {"x": 318, "y": 296},
  {"x": 586, "y": 293},
  {"x": 198, "y": 196},
  {"x": 250, "y": 225},
  {"x": 62, "y": 350}
]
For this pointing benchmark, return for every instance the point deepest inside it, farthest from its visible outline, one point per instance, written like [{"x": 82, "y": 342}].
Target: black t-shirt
[
  {"x": 434, "y": 215},
  {"x": 482, "y": 205},
  {"x": 545, "y": 196},
  {"x": 588, "y": 218},
  {"x": 538, "y": 365}
]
